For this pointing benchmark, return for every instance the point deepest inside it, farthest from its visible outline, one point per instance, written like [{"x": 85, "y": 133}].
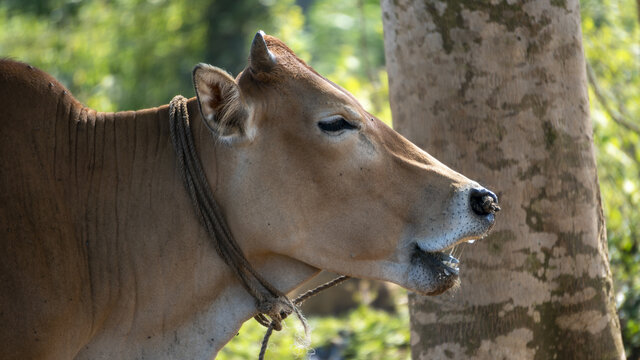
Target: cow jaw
[{"x": 432, "y": 273}]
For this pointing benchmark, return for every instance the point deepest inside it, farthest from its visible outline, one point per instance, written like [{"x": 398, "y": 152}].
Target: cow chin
[{"x": 428, "y": 275}]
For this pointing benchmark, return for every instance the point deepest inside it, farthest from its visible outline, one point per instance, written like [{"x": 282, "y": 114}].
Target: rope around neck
[{"x": 270, "y": 302}]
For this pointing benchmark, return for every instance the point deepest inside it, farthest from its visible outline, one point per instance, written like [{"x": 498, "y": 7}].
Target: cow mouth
[{"x": 442, "y": 267}]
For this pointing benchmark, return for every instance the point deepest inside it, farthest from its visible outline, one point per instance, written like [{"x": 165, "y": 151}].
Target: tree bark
[{"x": 498, "y": 91}]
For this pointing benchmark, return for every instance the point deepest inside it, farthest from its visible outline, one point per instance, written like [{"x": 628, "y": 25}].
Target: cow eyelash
[{"x": 337, "y": 124}]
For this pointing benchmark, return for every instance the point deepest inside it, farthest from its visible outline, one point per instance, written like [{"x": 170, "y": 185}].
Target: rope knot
[{"x": 276, "y": 308}]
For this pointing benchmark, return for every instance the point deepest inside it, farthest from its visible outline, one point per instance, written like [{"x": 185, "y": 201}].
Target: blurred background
[{"x": 132, "y": 54}]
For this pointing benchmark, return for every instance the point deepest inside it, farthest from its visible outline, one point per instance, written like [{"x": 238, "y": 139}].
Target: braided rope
[{"x": 273, "y": 306}]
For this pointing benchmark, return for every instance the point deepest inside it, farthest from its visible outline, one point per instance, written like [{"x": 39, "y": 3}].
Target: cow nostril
[{"x": 483, "y": 202}]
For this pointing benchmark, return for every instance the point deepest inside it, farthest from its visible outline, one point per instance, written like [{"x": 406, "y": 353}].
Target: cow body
[
  {"x": 99, "y": 239},
  {"x": 102, "y": 256}
]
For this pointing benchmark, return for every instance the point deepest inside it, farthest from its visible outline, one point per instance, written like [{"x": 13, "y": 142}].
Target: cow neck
[{"x": 270, "y": 302}]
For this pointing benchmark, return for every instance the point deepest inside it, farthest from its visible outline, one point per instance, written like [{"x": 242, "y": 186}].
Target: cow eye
[{"x": 335, "y": 125}]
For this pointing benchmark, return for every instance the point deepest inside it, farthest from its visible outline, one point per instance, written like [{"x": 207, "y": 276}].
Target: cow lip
[
  {"x": 449, "y": 263},
  {"x": 442, "y": 264},
  {"x": 449, "y": 248}
]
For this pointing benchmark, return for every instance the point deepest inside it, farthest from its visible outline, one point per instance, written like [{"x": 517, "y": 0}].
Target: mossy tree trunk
[{"x": 498, "y": 91}]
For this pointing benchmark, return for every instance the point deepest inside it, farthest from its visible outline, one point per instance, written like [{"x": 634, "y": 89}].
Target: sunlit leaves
[
  {"x": 348, "y": 48},
  {"x": 364, "y": 333}
]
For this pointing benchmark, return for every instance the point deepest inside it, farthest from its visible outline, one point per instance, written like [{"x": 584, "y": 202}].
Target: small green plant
[{"x": 364, "y": 333}]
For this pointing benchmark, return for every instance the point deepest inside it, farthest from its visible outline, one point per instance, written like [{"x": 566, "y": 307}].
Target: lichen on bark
[{"x": 448, "y": 15}]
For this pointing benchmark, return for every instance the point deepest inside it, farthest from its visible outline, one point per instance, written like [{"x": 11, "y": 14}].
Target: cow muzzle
[{"x": 469, "y": 216}]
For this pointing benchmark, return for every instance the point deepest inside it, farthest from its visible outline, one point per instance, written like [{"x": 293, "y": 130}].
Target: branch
[{"x": 619, "y": 116}]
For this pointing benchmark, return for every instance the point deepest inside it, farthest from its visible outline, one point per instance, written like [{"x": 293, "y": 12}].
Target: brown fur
[{"x": 101, "y": 255}]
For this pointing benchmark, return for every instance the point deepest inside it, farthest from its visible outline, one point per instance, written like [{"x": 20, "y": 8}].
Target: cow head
[{"x": 309, "y": 174}]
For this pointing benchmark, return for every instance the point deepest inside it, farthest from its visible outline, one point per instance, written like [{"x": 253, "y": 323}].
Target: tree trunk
[{"x": 498, "y": 91}]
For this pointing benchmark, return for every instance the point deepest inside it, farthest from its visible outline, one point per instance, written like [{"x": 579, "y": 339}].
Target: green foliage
[
  {"x": 132, "y": 54},
  {"x": 364, "y": 333},
  {"x": 348, "y": 47},
  {"x": 611, "y": 33},
  {"x": 97, "y": 50}
]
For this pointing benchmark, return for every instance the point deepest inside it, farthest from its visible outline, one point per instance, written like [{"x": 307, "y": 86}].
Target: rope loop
[
  {"x": 273, "y": 306},
  {"x": 208, "y": 210}
]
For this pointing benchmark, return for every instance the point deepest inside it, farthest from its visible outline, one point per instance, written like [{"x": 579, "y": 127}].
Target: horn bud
[{"x": 260, "y": 58}]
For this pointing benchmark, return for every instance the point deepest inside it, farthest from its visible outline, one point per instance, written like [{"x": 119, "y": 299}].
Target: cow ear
[{"x": 220, "y": 101}]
